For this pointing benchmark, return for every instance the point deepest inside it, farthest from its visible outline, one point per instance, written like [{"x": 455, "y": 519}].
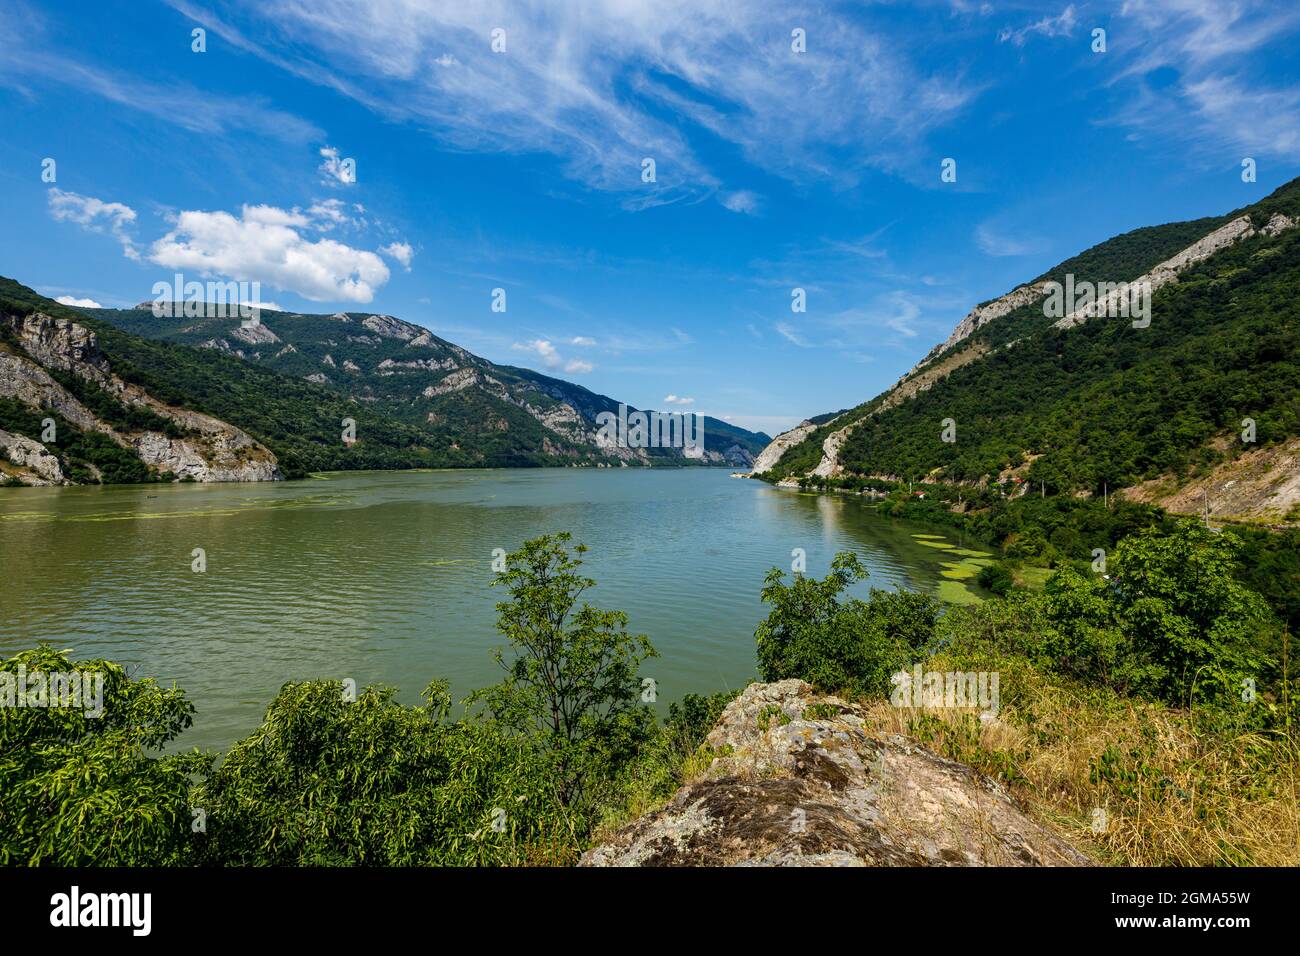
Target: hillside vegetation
[{"x": 1104, "y": 404}]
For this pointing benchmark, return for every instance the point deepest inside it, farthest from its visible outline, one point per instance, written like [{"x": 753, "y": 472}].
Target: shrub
[
  {"x": 331, "y": 781},
  {"x": 80, "y": 790},
  {"x": 840, "y": 645},
  {"x": 996, "y": 578}
]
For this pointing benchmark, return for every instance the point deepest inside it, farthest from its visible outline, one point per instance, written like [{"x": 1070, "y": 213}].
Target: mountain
[
  {"x": 1088, "y": 401},
  {"x": 281, "y": 392},
  {"x": 511, "y": 415}
]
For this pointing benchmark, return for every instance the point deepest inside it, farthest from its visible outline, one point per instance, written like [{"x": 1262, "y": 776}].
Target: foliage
[
  {"x": 329, "y": 781},
  {"x": 996, "y": 578},
  {"x": 573, "y": 680},
  {"x": 811, "y": 634},
  {"x": 84, "y": 790}
]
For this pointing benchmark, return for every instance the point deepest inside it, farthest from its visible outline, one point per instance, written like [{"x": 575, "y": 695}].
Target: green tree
[
  {"x": 573, "y": 678},
  {"x": 1180, "y": 605}
]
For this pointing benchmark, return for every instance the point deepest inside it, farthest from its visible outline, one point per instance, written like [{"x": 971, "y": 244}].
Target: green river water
[{"x": 384, "y": 577}]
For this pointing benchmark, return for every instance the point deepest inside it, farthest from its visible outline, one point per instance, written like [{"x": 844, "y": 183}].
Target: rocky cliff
[
  {"x": 45, "y": 362},
  {"x": 799, "y": 780}
]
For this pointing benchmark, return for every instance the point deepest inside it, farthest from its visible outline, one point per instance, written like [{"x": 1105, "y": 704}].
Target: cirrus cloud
[{"x": 113, "y": 218}]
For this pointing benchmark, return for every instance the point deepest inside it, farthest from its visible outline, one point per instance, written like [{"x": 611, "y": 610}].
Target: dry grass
[{"x": 1170, "y": 795}]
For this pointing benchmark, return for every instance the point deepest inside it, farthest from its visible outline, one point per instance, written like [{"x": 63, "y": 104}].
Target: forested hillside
[{"x": 1102, "y": 404}]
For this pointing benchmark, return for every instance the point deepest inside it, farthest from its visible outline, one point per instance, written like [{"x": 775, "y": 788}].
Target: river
[{"x": 384, "y": 577}]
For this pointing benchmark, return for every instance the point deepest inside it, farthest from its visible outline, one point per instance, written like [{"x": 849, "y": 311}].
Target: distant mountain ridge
[
  {"x": 415, "y": 376},
  {"x": 289, "y": 383},
  {"x": 1076, "y": 404}
]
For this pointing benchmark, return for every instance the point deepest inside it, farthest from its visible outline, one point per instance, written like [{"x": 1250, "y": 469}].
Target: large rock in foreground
[{"x": 801, "y": 781}]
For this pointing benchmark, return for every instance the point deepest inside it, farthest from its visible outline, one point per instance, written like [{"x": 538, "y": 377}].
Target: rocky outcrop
[
  {"x": 782, "y": 443},
  {"x": 59, "y": 343},
  {"x": 208, "y": 450},
  {"x": 392, "y": 328},
  {"x": 257, "y": 334},
  {"x": 1166, "y": 272},
  {"x": 391, "y": 367},
  {"x": 829, "y": 466},
  {"x": 33, "y": 462},
  {"x": 22, "y": 379},
  {"x": 982, "y": 315},
  {"x": 800, "y": 780},
  {"x": 455, "y": 382}
]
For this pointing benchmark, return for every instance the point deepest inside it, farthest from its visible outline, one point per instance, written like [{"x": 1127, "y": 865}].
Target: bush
[
  {"x": 81, "y": 790},
  {"x": 331, "y": 781},
  {"x": 995, "y": 578},
  {"x": 840, "y": 645}
]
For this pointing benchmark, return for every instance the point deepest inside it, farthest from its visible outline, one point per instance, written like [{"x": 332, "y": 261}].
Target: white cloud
[
  {"x": 602, "y": 85},
  {"x": 582, "y": 340},
  {"x": 336, "y": 169},
  {"x": 264, "y": 244},
  {"x": 112, "y": 218},
  {"x": 790, "y": 334},
  {"x": 78, "y": 303},
  {"x": 742, "y": 201},
  {"x": 178, "y": 105},
  {"x": 401, "y": 252},
  {"x": 678, "y": 400},
  {"x": 542, "y": 347},
  {"x": 1061, "y": 25},
  {"x": 1220, "y": 101},
  {"x": 552, "y": 359}
]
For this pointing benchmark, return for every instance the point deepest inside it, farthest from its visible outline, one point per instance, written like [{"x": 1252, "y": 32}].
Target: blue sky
[{"x": 523, "y": 169}]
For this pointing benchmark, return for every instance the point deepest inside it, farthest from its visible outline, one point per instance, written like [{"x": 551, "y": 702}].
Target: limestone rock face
[
  {"x": 391, "y": 328},
  {"x": 211, "y": 450},
  {"x": 800, "y": 780},
  {"x": 770, "y": 455},
  {"x": 38, "y": 466},
  {"x": 829, "y": 466},
  {"x": 60, "y": 343},
  {"x": 982, "y": 315},
  {"x": 255, "y": 334}
]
